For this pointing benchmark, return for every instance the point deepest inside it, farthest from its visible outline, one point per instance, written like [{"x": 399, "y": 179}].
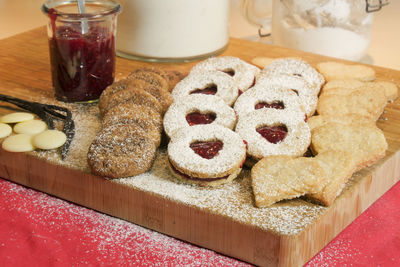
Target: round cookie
[
  {"x": 121, "y": 151},
  {"x": 308, "y": 95},
  {"x": 295, "y": 67},
  {"x": 30, "y": 127},
  {"x": 274, "y": 132},
  {"x": 207, "y": 82},
  {"x": 18, "y": 143},
  {"x": 49, "y": 139},
  {"x": 5, "y": 130},
  {"x": 198, "y": 109},
  {"x": 151, "y": 76},
  {"x": 134, "y": 96},
  {"x": 207, "y": 155},
  {"x": 135, "y": 114},
  {"x": 174, "y": 77},
  {"x": 16, "y": 117},
  {"x": 162, "y": 95},
  {"x": 267, "y": 96},
  {"x": 242, "y": 72}
]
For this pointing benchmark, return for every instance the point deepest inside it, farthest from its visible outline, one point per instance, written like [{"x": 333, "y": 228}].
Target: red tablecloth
[{"x": 40, "y": 230}]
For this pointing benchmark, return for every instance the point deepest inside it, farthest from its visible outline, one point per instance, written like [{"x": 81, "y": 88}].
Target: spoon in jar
[{"x": 82, "y": 10}]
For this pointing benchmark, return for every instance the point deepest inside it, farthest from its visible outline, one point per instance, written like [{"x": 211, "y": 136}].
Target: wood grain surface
[{"x": 25, "y": 73}]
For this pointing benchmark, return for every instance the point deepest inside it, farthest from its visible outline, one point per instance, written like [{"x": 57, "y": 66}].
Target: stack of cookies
[{"x": 132, "y": 111}]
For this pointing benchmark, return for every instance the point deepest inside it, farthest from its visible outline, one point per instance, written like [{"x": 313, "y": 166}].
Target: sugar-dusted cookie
[
  {"x": 367, "y": 103},
  {"x": 274, "y": 132},
  {"x": 242, "y": 72},
  {"x": 267, "y": 96},
  {"x": 153, "y": 76},
  {"x": 121, "y": 151},
  {"x": 174, "y": 77},
  {"x": 295, "y": 67},
  {"x": 198, "y": 109},
  {"x": 16, "y": 117},
  {"x": 366, "y": 143},
  {"x": 276, "y": 178},
  {"x": 49, "y": 139},
  {"x": 336, "y": 71},
  {"x": 351, "y": 118},
  {"x": 307, "y": 94},
  {"x": 339, "y": 166},
  {"x": 207, "y": 155},
  {"x": 207, "y": 82},
  {"x": 5, "y": 130}
]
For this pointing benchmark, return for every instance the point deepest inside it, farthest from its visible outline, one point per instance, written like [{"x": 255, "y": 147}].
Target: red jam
[
  {"x": 195, "y": 118},
  {"x": 273, "y": 134},
  {"x": 208, "y": 149},
  {"x": 82, "y": 65},
  {"x": 230, "y": 72},
  {"x": 209, "y": 90},
  {"x": 275, "y": 105},
  {"x": 195, "y": 178}
]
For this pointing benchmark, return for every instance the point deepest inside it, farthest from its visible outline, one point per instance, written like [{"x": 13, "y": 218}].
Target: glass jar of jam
[{"x": 82, "y": 47}]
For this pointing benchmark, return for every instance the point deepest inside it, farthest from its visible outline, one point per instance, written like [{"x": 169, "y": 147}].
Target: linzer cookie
[
  {"x": 295, "y": 67},
  {"x": 209, "y": 83},
  {"x": 242, "y": 72},
  {"x": 366, "y": 143},
  {"x": 276, "y": 178},
  {"x": 267, "y": 96},
  {"x": 336, "y": 71},
  {"x": 121, "y": 151},
  {"x": 198, "y": 109},
  {"x": 307, "y": 94},
  {"x": 207, "y": 155},
  {"x": 274, "y": 132}
]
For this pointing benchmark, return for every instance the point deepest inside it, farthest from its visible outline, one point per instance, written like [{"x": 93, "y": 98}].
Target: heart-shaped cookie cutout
[
  {"x": 276, "y": 178},
  {"x": 196, "y": 118},
  {"x": 208, "y": 90},
  {"x": 208, "y": 149},
  {"x": 275, "y": 105},
  {"x": 273, "y": 134}
]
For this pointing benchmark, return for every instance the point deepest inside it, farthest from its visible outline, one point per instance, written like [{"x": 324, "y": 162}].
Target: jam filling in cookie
[
  {"x": 208, "y": 90},
  {"x": 185, "y": 176},
  {"x": 207, "y": 149},
  {"x": 273, "y": 134},
  {"x": 274, "y": 104},
  {"x": 196, "y": 118}
]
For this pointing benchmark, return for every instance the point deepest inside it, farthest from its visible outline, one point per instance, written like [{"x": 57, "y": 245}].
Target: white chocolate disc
[
  {"x": 49, "y": 139},
  {"x": 18, "y": 143},
  {"x": 16, "y": 117},
  {"x": 30, "y": 127},
  {"x": 5, "y": 130}
]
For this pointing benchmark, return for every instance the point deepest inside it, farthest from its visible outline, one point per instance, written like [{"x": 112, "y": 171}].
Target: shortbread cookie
[
  {"x": 339, "y": 166},
  {"x": 207, "y": 82},
  {"x": 366, "y": 143},
  {"x": 391, "y": 90},
  {"x": 367, "y": 103},
  {"x": 18, "y": 143},
  {"x": 307, "y": 94},
  {"x": 295, "y": 67},
  {"x": 121, "y": 151},
  {"x": 5, "y": 130},
  {"x": 129, "y": 112},
  {"x": 30, "y": 127},
  {"x": 267, "y": 96},
  {"x": 16, "y": 117},
  {"x": 274, "y": 132},
  {"x": 207, "y": 155},
  {"x": 242, "y": 72},
  {"x": 351, "y": 118},
  {"x": 49, "y": 139},
  {"x": 198, "y": 109},
  {"x": 276, "y": 178},
  {"x": 134, "y": 96},
  {"x": 336, "y": 71},
  {"x": 343, "y": 83}
]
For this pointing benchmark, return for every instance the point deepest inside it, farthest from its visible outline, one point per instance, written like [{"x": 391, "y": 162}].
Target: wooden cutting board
[{"x": 288, "y": 234}]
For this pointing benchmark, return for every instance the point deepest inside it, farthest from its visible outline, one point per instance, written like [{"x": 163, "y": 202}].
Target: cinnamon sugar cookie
[
  {"x": 135, "y": 96},
  {"x": 174, "y": 77},
  {"x": 111, "y": 90},
  {"x": 336, "y": 71},
  {"x": 207, "y": 82},
  {"x": 366, "y": 143},
  {"x": 242, "y": 72},
  {"x": 207, "y": 155},
  {"x": 276, "y": 178},
  {"x": 163, "y": 96},
  {"x": 121, "y": 151},
  {"x": 198, "y": 109},
  {"x": 267, "y": 96},
  {"x": 151, "y": 76},
  {"x": 295, "y": 67},
  {"x": 274, "y": 132}
]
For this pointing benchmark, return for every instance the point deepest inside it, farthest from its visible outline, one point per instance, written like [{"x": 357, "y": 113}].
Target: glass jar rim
[{"x": 112, "y": 8}]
